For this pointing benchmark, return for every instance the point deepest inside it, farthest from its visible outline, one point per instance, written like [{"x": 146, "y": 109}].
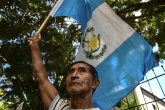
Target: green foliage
[
  {"x": 2, "y": 106},
  {"x": 132, "y": 104},
  {"x": 123, "y": 105},
  {"x": 20, "y": 19},
  {"x": 143, "y": 107}
]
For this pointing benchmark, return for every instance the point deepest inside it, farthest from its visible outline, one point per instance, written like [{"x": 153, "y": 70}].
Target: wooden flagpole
[{"x": 43, "y": 24}]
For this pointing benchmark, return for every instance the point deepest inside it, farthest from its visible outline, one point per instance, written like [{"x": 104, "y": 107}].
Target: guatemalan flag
[{"x": 120, "y": 55}]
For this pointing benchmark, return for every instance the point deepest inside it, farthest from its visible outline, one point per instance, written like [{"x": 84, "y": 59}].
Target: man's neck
[{"x": 82, "y": 101}]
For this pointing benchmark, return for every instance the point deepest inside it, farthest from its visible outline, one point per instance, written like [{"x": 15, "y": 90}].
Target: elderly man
[{"x": 81, "y": 81}]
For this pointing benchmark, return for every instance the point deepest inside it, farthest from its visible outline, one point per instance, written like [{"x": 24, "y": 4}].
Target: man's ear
[{"x": 95, "y": 84}]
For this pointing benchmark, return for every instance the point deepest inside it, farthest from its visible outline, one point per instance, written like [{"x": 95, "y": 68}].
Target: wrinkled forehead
[{"x": 80, "y": 65}]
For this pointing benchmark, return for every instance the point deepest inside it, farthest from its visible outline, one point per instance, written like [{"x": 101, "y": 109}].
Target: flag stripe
[
  {"x": 68, "y": 8},
  {"x": 113, "y": 31},
  {"x": 56, "y": 7},
  {"x": 123, "y": 69}
]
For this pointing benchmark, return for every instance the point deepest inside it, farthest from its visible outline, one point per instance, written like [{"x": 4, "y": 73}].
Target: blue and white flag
[{"x": 120, "y": 55}]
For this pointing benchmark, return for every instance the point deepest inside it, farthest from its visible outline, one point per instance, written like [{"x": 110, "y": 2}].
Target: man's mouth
[{"x": 74, "y": 83}]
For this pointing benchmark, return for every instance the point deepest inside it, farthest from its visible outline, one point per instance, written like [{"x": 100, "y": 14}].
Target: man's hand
[{"x": 35, "y": 39}]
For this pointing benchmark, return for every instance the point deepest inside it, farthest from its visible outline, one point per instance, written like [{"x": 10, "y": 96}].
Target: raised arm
[{"x": 47, "y": 90}]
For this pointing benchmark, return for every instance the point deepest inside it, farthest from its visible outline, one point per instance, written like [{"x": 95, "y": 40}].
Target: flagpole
[{"x": 43, "y": 24}]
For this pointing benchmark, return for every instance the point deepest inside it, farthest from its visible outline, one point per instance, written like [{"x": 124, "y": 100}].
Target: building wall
[
  {"x": 157, "y": 105},
  {"x": 141, "y": 98}
]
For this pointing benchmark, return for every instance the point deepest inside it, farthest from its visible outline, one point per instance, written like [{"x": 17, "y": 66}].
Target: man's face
[{"x": 79, "y": 79}]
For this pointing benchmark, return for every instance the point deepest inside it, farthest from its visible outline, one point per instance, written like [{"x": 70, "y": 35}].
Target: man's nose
[{"x": 74, "y": 75}]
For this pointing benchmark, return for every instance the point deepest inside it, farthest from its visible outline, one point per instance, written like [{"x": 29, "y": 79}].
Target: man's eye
[
  {"x": 82, "y": 70},
  {"x": 70, "y": 72}
]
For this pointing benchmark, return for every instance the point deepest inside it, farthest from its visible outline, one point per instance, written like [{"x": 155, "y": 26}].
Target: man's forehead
[{"x": 77, "y": 65}]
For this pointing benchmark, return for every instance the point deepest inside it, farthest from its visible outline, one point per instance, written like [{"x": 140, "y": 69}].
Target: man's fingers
[
  {"x": 36, "y": 34},
  {"x": 39, "y": 36},
  {"x": 30, "y": 38},
  {"x": 29, "y": 41},
  {"x": 35, "y": 38}
]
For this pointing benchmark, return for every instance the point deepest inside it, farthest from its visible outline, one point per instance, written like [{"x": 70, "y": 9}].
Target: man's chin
[{"x": 74, "y": 92}]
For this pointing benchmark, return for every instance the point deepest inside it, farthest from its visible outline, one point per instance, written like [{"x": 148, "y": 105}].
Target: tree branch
[
  {"x": 136, "y": 7},
  {"x": 131, "y": 8},
  {"x": 62, "y": 45},
  {"x": 142, "y": 16}
]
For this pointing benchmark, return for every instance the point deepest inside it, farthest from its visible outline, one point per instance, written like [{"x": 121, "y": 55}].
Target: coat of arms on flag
[{"x": 92, "y": 44}]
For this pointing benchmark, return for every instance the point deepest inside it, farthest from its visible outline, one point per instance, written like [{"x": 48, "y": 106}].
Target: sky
[{"x": 157, "y": 84}]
